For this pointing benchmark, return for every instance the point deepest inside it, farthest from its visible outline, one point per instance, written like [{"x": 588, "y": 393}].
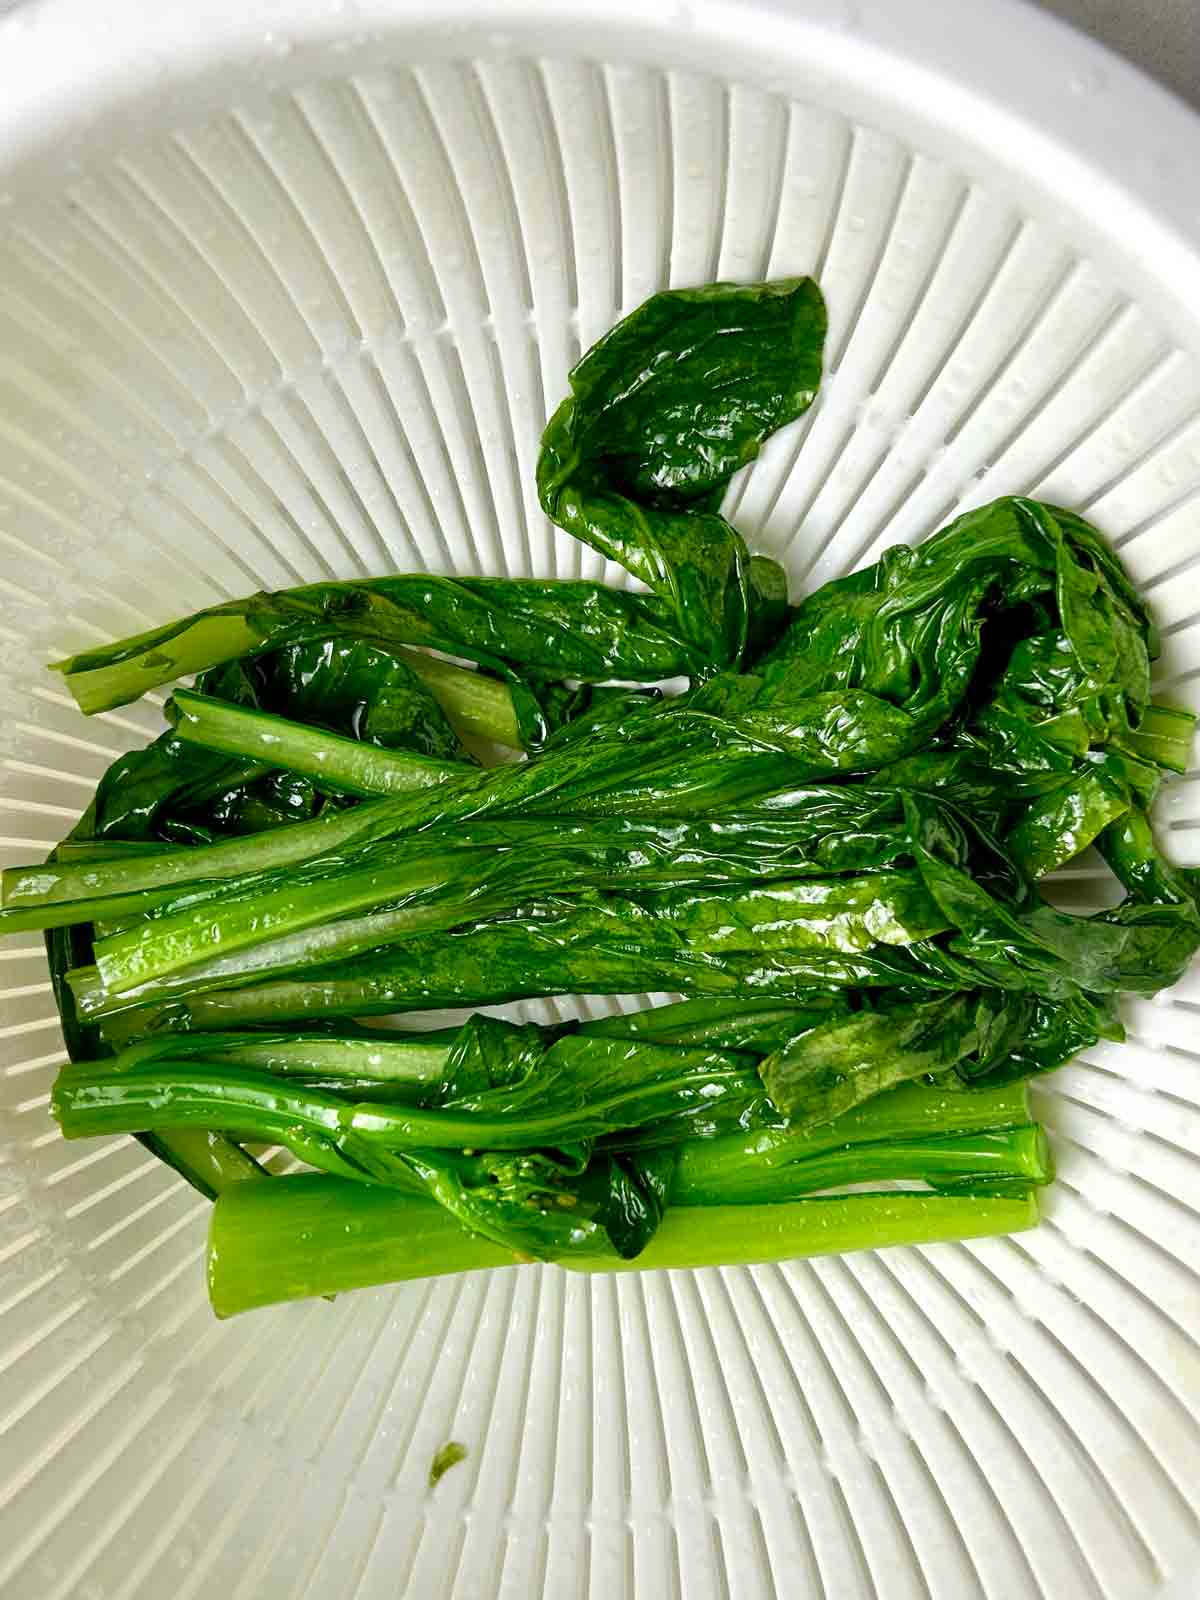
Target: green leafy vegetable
[
  {"x": 546, "y": 629},
  {"x": 836, "y": 1066},
  {"x": 205, "y": 1159},
  {"x": 303, "y": 1236},
  {"x": 662, "y": 412},
  {"x": 781, "y": 939},
  {"x": 831, "y": 842},
  {"x": 443, "y": 878},
  {"x": 179, "y": 792}
]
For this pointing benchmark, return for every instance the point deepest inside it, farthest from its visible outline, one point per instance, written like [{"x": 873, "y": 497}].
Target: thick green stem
[
  {"x": 910, "y": 1111},
  {"x": 110, "y": 849},
  {"x": 161, "y": 945},
  {"x": 556, "y": 629},
  {"x": 713, "y": 1236},
  {"x": 1165, "y": 736},
  {"x": 1022, "y": 1153},
  {"x": 101, "y": 909},
  {"x": 89, "y": 1100},
  {"x": 85, "y": 883},
  {"x": 209, "y": 640},
  {"x": 276, "y": 958},
  {"x": 665, "y": 777},
  {"x": 401, "y": 1067},
  {"x": 492, "y": 864},
  {"x": 476, "y": 705},
  {"x": 305, "y": 1236},
  {"x": 331, "y": 760},
  {"x": 210, "y": 1162},
  {"x": 402, "y": 1061},
  {"x": 738, "y": 1022},
  {"x": 473, "y": 702}
]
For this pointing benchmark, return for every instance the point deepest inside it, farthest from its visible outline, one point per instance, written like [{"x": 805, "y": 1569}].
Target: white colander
[{"x": 286, "y": 292}]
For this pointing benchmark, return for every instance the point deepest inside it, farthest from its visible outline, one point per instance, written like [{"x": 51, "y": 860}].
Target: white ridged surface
[{"x": 308, "y": 322}]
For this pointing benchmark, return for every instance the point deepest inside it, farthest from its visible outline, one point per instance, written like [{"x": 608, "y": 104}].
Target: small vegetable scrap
[
  {"x": 831, "y": 843},
  {"x": 448, "y": 1456}
]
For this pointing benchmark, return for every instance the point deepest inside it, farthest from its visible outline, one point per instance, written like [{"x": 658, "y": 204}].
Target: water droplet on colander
[{"x": 1090, "y": 81}]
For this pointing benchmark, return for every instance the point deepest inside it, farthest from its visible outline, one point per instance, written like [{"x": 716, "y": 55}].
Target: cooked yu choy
[{"x": 832, "y": 840}]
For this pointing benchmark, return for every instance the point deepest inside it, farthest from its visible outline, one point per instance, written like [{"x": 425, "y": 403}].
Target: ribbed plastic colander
[{"x": 286, "y": 292}]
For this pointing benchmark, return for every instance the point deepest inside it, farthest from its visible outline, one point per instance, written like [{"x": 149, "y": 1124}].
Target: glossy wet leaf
[{"x": 662, "y": 412}]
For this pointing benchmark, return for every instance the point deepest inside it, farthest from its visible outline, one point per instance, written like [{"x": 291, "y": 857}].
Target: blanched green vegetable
[
  {"x": 848, "y": 1060},
  {"x": 180, "y": 792},
  {"x": 941, "y": 929},
  {"x": 1016, "y": 940},
  {"x": 531, "y": 1104},
  {"x": 306, "y": 1236},
  {"x": 740, "y": 1165},
  {"x": 867, "y": 671},
  {"x": 780, "y": 939},
  {"x": 580, "y": 1130},
  {"x": 549, "y": 629},
  {"x": 662, "y": 412},
  {"x": 831, "y": 842},
  {"x": 205, "y": 1159},
  {"x": 445, "y": 877}
]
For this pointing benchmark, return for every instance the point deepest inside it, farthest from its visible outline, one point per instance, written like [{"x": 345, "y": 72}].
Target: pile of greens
[{"x": 831, "y": 841}]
